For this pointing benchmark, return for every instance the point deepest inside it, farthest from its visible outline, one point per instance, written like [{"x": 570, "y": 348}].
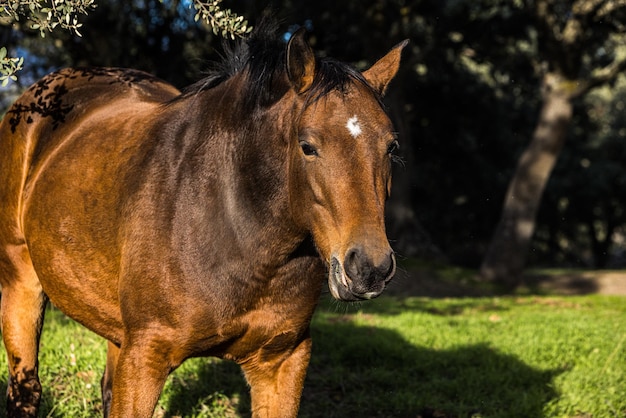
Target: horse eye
[
  {"x": 308, "y": 149},
  {"x": 393, "y": 147}
]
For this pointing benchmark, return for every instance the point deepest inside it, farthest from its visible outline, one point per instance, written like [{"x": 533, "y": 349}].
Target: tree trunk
[{"x": 505, "y": 259}]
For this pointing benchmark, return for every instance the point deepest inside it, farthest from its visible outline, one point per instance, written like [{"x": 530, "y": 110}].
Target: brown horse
[{"x": 200, "y": 223}]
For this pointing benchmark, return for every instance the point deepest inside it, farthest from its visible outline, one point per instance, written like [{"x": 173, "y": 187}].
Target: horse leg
[
  {"x": 142, "y": 367},
  {"x": 23, "y": 306},
  {"x": 106, "y": 383},
  {"x": 276, "y": 382}
]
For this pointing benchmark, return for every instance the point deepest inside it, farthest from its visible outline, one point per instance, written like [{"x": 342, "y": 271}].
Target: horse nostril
[
  {"x": 388, "y": 267},
  {"x": 355, "y": 264}
]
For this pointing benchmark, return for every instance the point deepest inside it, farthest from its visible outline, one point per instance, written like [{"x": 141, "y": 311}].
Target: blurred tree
[
  {"x": 576, "y": 52},
  {"x": 585, "y": 196}
]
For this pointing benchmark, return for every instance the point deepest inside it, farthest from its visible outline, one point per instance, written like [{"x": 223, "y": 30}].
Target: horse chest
[
  {"x": 258, "y": 335},
  {"x": 256, "y": 320}
]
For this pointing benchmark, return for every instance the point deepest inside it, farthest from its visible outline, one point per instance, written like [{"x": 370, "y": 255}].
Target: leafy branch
[
  {"x": 42, "y": 15},
  {"x": 8, "y": 67},
  {"x": 47, "y": 15},
  {"x": 222, "y": 21}
]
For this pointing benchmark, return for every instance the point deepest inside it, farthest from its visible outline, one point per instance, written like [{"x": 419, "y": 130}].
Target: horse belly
[{"x": 71, "y": 218}]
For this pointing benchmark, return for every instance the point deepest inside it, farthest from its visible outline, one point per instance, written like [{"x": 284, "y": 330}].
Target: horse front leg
[
  {"x": 23, "y": 306},
  {"x": 143, "y": 365},
  {"x": 276, "y": 380}
]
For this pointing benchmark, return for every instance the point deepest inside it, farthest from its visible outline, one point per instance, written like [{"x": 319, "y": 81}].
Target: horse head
[{"x": 340, "y": 167}]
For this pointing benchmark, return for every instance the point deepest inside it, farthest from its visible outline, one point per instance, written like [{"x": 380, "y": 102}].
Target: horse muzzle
[{"x": 358, "y": 277}]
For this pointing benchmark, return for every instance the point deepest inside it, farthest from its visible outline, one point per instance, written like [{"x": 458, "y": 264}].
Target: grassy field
[{"x": 514, "y": 356}]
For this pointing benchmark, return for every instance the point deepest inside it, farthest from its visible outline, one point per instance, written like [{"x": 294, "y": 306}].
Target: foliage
[
  {"x": 8, "y": 67},
  {"x": 42, "y": 15},
  {"x": 516, "y": 356},
  {"x": 222, "y": 21},
  {"x": 46, "y": 15}
]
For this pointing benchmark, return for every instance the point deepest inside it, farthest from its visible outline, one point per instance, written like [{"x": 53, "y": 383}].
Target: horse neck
[{"x": 254, "y": 175}]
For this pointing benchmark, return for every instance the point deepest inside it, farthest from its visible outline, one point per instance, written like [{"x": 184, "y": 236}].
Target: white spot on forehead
[{"x": 353, "y": 126}]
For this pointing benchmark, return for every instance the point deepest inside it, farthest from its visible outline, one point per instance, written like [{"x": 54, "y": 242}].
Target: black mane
[{"x": 262, "y": 58}]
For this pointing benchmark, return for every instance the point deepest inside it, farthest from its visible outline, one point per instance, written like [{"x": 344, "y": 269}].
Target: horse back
[
  {"x": 59, "y": 101},
  {"x": 53, "y": 111}
]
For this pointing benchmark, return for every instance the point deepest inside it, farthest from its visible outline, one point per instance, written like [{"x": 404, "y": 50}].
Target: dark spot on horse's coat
[
  {"x": 24, "y": 395},
  {"x": 50, "y": 91}
]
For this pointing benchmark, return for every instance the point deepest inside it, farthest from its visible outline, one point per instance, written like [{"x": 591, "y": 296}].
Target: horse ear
[
  {"x": 300, "y": 62},
  {"x": 384, "y": 70}
]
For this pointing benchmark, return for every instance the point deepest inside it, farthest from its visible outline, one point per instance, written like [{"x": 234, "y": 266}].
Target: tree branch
[
  {"x": 547, "y": 20},
  {"x": 598, "y": 10},
  {"x": 600, "y": 77},
  {"x": 588, "y": 7},
  {"x": 610, "y": 7}
]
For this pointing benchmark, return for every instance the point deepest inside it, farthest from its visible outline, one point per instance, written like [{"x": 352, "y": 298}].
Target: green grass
[{"x": 515, "y": 356}]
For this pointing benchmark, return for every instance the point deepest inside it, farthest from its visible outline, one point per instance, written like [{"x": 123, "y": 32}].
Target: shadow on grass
[
  {"x": 216, "y": 384},
  {"x": 390, "y": 305},
  {"x": 373, "y": 372}
]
